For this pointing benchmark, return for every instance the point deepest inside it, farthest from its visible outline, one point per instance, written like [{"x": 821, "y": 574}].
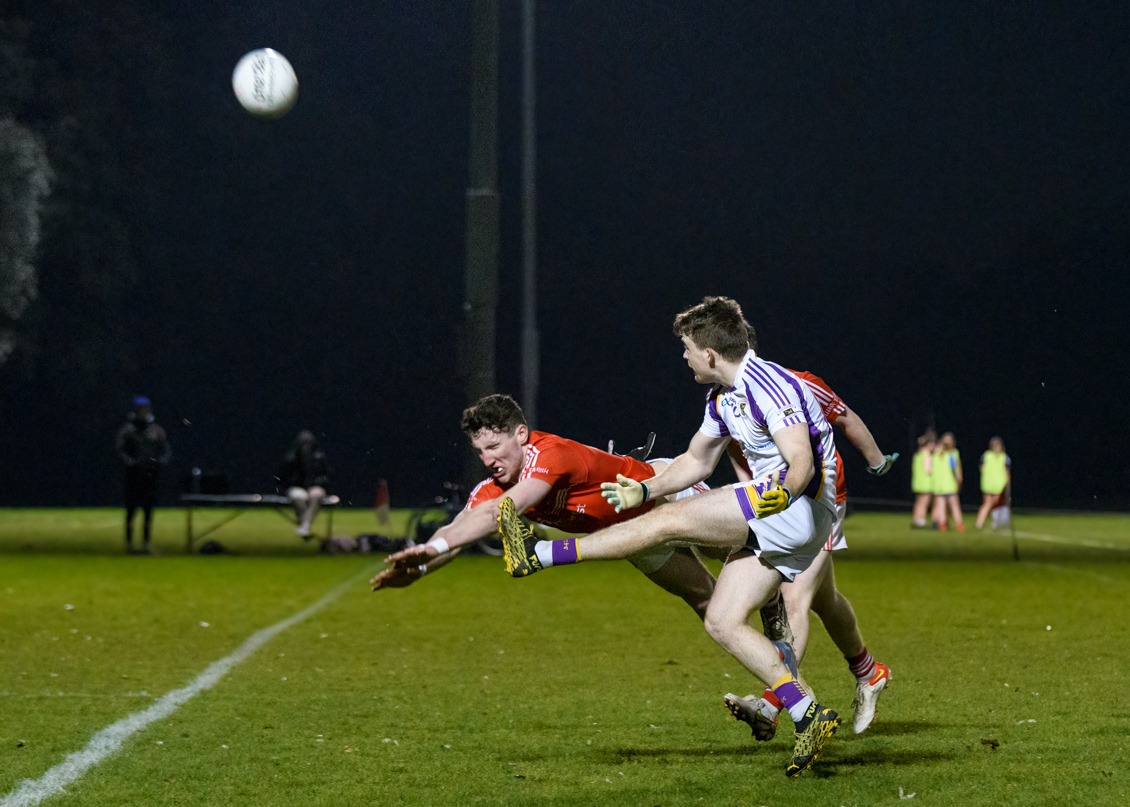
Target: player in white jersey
[
  {"x": 816, "y": 588},
  {"x": 779, "y": 521}
]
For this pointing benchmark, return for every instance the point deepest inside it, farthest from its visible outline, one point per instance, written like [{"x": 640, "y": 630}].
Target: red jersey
[
  {"x": 574, "y": 472},
  {"x": 833, "y": 406}
]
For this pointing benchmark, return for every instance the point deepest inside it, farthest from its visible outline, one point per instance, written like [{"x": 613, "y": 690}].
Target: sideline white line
[
  {"x": 1038, "y": 536},
  {"x": 1054, "y": 567},
  {"x": 106, "y": 742}
]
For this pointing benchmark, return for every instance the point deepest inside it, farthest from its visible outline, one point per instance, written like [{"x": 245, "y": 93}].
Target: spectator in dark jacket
[
  {"x": 143, "y": 448},
  {"x": 304, "y": 476}
]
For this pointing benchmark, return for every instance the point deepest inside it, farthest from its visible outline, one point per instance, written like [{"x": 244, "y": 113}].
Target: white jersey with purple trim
[{"x": 766, "y": 398}]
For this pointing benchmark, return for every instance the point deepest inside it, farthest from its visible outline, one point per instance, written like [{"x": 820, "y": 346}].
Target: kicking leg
[{"x": 714, "y": 518}]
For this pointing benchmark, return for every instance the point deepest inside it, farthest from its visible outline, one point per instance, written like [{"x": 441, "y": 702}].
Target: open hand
[
  {"x": 624, "y": 493},
  {"x": 412, "y": 556},
  {"x": 885, "y": 465},
  {"x": 396, "y": 577}
]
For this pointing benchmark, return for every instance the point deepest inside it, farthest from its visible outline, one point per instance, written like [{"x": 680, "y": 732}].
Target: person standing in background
[
  {"x": 947, "y": 476},
  {"x": 922, "y": 477},
  {"x": 143, "y": 448},
  {"x": 996, "y": 475}
]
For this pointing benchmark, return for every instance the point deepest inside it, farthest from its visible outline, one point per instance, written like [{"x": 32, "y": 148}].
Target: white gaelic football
[{"x": 265, "y": 83}]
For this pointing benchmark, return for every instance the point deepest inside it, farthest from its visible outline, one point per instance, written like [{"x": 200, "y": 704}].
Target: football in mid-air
[{"x": 265, "y": 83}]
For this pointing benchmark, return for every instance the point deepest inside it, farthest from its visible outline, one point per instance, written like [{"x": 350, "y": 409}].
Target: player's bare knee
[
  {"x": 718, "y": 631},
  {"x": 720, "y": 628},
  {"x": 667, "y": 526}
]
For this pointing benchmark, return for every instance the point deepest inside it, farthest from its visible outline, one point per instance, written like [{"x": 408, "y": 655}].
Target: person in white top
[{"x": 779, "y": 521}]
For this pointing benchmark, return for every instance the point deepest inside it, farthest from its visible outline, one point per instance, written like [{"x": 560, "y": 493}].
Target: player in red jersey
[
  {"x": 557, "y": 483},
  {"x": 815, "y": 588}
]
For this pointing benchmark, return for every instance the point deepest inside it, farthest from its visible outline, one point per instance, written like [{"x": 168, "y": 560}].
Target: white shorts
[
  {"x": 837, "y": 540},
  {"x": 790, "y": 540},
  {"x": 652, "y": 560}
]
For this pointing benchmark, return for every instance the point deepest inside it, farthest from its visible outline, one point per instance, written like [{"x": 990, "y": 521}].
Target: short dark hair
[
  {"x": 499, "y": 413},
  {"x": 717, "y": 323}
]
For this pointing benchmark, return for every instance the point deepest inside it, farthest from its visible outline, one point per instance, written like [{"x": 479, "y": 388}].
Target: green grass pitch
[{"x": 579, "y": 686}]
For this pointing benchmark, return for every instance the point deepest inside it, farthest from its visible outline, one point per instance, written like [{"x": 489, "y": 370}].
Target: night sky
[{"x": 925, "y": 206}]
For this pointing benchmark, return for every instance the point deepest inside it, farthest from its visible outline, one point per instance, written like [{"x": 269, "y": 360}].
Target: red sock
[{"x": 861, "y": 666}]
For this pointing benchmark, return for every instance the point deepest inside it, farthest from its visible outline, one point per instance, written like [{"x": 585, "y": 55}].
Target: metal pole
[
  {"x": 530, "y": 363},
  {"x": 481, "y": 276}
]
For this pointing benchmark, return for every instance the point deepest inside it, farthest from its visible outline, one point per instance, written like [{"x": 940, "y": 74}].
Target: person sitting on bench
[{"x": 303, "y": 476}]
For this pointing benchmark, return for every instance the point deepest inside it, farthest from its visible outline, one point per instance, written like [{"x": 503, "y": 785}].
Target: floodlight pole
[
  {"x": 530, "y": 357},
  {"x": 481, "y": 275}
]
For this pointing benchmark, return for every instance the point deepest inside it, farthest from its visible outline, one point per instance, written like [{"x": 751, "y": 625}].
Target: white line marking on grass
[
  {"x": 106, "y": 742},
  {"x": 1055, "y": 567},
  {"x": 1054, "y": 539}
]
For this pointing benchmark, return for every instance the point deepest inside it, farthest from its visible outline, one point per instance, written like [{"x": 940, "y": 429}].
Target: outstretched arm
[
  {"x": 689, "y": 468},
  {"x": 857, "y": 432},
  {"x": 471, "y": 525},
  {"x": 399, "y": 576}
]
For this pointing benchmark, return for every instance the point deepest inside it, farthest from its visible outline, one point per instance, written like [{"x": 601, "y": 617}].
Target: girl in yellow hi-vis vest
[
  {"x": 996, "y": 473},
  {"x": 922, "y": 477},
  {"x": 947, "y": 483}
]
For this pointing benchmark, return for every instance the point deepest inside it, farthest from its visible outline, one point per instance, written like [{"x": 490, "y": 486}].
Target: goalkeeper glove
[
  {"x": 884, "y": 466},
  {"x": 773, "y": 501},
  {"x": 625, "y": 493}
]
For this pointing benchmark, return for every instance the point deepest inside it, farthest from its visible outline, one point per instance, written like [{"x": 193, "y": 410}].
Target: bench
[{"x": 237, "y": 503}]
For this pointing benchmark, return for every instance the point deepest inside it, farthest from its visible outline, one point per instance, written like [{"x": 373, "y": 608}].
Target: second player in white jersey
[{"x": 764, "y": 399}]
